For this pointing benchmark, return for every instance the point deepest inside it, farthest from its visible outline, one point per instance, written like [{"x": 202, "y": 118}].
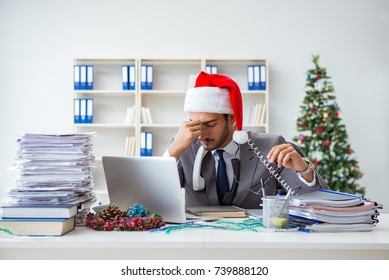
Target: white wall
[{"x": 39, "y": 39}]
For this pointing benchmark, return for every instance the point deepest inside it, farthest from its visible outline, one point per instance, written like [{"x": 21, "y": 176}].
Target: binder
[
  {"x": 143, "y": 77},
  {"x": 89, "y": 110},
  {"x": 262, "y": 84},
  {"x": 143, "y": 144},
  {"x": 149, "y": 144},
  {"x": 211, "y": 69},
  {"x": 83, "y": 77},
  {"x": 125, "y": 83},
  {"x": 76, "y": 73},
  {"x": 77, "y": 112},
  {"x": 82, "y": 110},
  {"x": 256, "y": 77},
  {"x": 250, "y": 77},
  {"x": 89, "y": 77},
  {"x": 131, "y": 77},
  {"x": 149, "y": 77}
]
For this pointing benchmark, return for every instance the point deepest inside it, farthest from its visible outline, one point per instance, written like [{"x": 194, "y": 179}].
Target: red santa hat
[{"x": 215, "y": 93}]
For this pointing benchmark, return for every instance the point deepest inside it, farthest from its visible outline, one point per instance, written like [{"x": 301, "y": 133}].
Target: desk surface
[{"x": 85, "y": 243}]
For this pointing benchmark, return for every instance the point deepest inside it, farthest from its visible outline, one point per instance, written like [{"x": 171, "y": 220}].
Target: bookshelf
[{"x": 171, "y": 79}]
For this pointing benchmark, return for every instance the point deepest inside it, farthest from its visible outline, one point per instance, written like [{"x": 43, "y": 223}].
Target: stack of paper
[
  {"x": 54, "y": 169},
  {"x": 326, "y": 210}
]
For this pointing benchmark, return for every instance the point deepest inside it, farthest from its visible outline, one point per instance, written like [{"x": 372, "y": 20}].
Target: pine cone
[{"x": 110, "y": 212}]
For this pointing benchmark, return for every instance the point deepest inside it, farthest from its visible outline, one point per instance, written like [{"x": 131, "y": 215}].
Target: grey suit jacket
[{"x": 250, "y": 175}]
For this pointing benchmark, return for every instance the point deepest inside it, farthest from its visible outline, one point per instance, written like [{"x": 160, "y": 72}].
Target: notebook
[{"x": 151, "y": 181}]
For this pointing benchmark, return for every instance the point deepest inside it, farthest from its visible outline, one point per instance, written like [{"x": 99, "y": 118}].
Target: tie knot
[{"x": 220, "y": 153}]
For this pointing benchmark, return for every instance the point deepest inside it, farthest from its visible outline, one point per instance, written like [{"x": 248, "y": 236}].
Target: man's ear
[{"x": 231, "y": 119}]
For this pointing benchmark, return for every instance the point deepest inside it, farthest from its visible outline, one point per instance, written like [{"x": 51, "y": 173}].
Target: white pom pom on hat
[{"x": 215, "y": 93}]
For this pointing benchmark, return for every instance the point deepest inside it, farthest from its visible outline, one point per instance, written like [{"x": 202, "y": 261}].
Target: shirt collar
[{"x": 231, "y": 148}]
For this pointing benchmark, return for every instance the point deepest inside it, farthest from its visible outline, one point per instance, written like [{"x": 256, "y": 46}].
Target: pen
[
  {"x": 263, "y": 189},
  {"x": 275, "y": 203},
  {"x": 284, "y": 203},
  {"x": 304, "y": 229}
]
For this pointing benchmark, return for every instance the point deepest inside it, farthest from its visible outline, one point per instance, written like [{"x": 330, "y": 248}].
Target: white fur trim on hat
[{"x": 208, "y": 100}]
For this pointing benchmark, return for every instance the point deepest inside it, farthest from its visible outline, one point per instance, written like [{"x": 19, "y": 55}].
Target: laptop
[{"x": 151, "y": 181}]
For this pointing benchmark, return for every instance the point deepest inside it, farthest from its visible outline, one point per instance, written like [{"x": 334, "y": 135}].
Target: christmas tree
[{"x": 323, "y": 136}]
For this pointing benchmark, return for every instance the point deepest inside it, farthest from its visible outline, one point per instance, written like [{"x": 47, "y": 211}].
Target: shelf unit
[{"x": 172, "y": 78}]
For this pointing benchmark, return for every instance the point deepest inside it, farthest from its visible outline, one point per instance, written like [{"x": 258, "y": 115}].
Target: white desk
[{"x": 85, "y": 243}]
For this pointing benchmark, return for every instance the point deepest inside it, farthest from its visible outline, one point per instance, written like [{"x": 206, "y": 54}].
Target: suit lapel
[{"x": 248, "y": 166}]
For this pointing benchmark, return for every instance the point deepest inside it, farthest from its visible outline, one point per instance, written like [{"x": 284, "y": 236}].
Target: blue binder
[
  {"x": 76, "y": 73},
  {"x": 211, "y": 69},
  {"x": 143, "y": 142},
  {"x": 143, "y": 77},
  {"x": 149, "y": 77},
  {"x": 257, "y": 77},
  {"x": 262, "y": 83},
  {"x": 83, "y": 74},
  {"x": 89, "y": 110},
  {"x": 131, "y": 77},
  {"x": 149, "y": 144},
  {"x": 250, "y": 77},
  {"x": 77, "y": 112},
  {"x": 82, "y": 110},
  {"x": 89, "y": 77},
  {"x": 126, "y": 85}
]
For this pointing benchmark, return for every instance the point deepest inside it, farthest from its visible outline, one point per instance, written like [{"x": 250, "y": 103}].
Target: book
[
  {"x": 225, "y": 211},
  {"x": 38, "y": 211},
  {"x": 38, "y": 226}
]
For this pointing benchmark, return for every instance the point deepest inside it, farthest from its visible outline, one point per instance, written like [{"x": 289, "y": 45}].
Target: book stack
[
  {"x": 129, "y": 146},
  {"x": 54, "y": 171},
  {"x": 257, "y": 113},
  {"x": 145, "y": 115},
  {"x": 130, "y": 117},
  {"x": 332, "y": 211},
  {"x": 38, "y": 220}
]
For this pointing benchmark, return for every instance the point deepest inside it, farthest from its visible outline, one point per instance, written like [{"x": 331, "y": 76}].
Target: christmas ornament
[
  {"x": 136, "y": 218},
  {"x": 319, "y": 85}
]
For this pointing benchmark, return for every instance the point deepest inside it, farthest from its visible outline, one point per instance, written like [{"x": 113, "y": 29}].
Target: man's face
[{"x": 217, "y": 130}]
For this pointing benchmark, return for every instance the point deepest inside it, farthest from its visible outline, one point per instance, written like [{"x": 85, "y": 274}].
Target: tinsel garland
[
  {"x": 9, "y": 233},
  {"x": 255, "y": 225},
  {"x": 136, "y": 218}
]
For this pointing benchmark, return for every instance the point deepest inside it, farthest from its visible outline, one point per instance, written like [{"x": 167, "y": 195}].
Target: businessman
[{"x": 220, "y": 164}]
